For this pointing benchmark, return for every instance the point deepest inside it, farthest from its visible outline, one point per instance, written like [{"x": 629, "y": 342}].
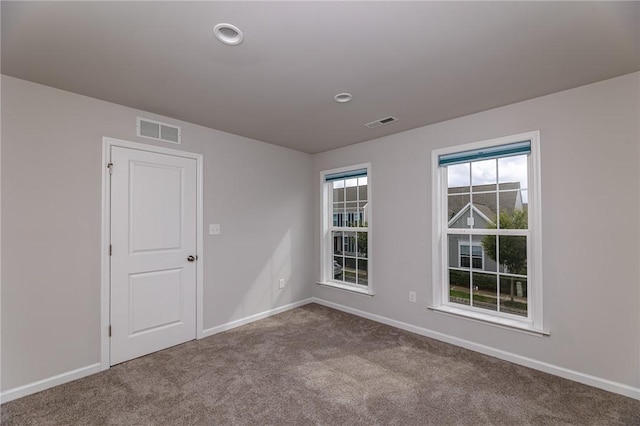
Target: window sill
[
  {"x": 513, "y": 325},
  {"x": 365, "y": 291}
]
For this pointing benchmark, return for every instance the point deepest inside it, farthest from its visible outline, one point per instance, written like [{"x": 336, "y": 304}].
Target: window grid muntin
[
  {"x": 498, "y": 275},
  {"x": 497, "y": 184},
  {"x": 447, "y": 230},
  {"x": 347, "y": 229}
]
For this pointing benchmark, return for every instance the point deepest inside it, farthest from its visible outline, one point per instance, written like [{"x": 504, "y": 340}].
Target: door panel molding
[{"x": 105, "y": 291}]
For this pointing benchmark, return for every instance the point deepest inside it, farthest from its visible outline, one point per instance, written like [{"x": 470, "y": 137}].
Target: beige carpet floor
[{"x": 318, "y": 366}]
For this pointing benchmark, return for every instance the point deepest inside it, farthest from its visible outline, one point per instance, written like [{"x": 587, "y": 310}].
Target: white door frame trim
[{"x": 105, "y": 286}]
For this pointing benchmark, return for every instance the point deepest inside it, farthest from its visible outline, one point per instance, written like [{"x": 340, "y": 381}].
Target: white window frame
[
  {"x": 326, "y": 239},
  {"x": 533, "y": 323}
]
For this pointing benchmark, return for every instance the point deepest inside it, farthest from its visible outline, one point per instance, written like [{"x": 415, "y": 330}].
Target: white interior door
[{"x": 153, "y": 260}]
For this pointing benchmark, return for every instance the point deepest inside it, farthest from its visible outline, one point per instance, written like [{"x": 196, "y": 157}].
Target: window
[
  {"x": 486, "y": 255},
  {"x": 346, "y": 228}
]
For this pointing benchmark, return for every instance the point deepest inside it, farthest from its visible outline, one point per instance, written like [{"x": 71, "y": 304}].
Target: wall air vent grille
[
  {"x": 156, "y": 130},
  {"x": 380, "y": 122}
]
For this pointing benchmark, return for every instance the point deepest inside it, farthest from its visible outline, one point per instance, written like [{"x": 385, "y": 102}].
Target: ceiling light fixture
[
  {"x": 228, "y": 34},
  {"x": 343, "y": 97},
  {"x": 381, "y": 122}
]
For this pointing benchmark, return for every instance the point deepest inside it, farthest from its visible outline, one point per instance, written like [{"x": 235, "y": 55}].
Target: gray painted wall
[
  {"x": 51, "y": 229},
  {"x": 266, "y": 199},
  {"x": 590, "y": 141}
]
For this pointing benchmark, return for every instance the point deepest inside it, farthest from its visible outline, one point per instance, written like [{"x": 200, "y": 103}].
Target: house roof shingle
[{"x": 483, "y": 199}]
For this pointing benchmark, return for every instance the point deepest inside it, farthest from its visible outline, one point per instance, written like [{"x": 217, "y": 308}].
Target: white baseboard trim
[
  {"x": 79, "y": 373},
  {"x": 40, "y": 385},
  {"x": 587, "y": 379},
  {"x": 242, "y": 321}
]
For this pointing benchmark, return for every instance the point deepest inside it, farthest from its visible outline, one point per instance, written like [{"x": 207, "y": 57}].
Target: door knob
[{"x": 191, "y": 258}]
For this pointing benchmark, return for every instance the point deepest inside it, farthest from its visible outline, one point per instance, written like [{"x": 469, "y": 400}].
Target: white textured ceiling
[{"x": 422, "y": 62}]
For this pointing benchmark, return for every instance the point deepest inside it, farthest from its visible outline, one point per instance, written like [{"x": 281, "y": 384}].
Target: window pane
[
  {"x": 350, "y": 270},
  {"x": 513, "y": 295},
  {"x": 338, "y": 261},
  {"x": 363, "y": 272},
  {"x": 337, "y": 242},
  {"x": 485, "y": 291},
  {"x": 484, "y": 172},
  {"x": 351, "y": 189},
  {"x": 517, "y": 219},
  {"x": 338, "y": 214},
  {"x": 363, "y": 210},
  {"x": 524, "y": 199},
  {"x": 458, "y": 209},
  {"x": 458, "y": 259},
  {"x": 486, "y": 205},
  {"x": 513, "y": 169},
  {"x": 458, "y": 175},
  {"x": 459, "y": 282},
  {"x": 350, "y": 246},
  {"x": 351, "y": 218},
  {"x": 362, "y": 190},
  {"x": 512, "y": 254},
  {"x": 513, "y": 210},
  {"x": 351, "y": 193},
  {"x": 484, "y": 247},
  {"x": 338, "y": 191},
  {"x": 362, "y": 240}
]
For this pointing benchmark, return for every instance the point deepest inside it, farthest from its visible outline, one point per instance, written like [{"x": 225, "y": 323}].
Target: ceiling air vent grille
[
  {"x": 380, "y": 122},
  {"x": 159, "y": 131}
]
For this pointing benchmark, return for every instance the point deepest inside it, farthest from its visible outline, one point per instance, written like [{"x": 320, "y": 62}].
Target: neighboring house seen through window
[
  {"x": 487, "y": 261},
  {"x": 346, "y": 208},
  {"x": 471, "y": 257}
]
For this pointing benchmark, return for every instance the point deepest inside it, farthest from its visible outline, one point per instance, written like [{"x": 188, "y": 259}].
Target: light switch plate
[{"x": 214, "y": 229}]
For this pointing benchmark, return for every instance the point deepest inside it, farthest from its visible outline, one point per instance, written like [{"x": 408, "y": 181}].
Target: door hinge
[
  {"x": 110, "y": 167},
  {"x": 110, "y": 249},
  {"x": 109, "y": 331}
]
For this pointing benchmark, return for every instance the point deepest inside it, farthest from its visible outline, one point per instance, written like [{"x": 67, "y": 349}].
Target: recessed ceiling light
[
  {"x": 228, "y": 34},
  {"x": 343, "y": 97}
]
